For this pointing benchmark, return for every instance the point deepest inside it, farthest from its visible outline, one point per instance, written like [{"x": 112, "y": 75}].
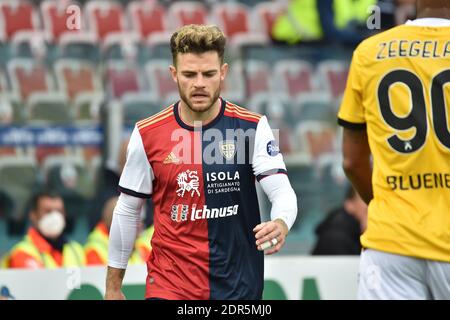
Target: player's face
[{"x": 199, "y": 78}]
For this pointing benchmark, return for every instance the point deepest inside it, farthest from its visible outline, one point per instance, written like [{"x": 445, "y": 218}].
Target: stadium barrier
[{"x": 286, "y": 277}]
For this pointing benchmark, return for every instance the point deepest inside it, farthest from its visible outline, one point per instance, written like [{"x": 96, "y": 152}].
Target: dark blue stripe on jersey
[
  {"x": 236, "y": 266},
  {"x": 134, "y": 193},
  {"x": 352, "y": 125},
  {"x": 266, "y": 174}
]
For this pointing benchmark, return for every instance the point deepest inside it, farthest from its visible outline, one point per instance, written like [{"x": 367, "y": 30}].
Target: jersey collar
[
  {"x": 208, "y": 125},
  {"x": 429, "y": 22}
]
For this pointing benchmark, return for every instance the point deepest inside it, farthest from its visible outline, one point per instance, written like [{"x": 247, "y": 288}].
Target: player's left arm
[{"x": 270, "y": 171}]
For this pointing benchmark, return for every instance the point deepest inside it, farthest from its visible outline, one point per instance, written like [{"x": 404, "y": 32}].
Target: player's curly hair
[{"x": 195, "y": 38}]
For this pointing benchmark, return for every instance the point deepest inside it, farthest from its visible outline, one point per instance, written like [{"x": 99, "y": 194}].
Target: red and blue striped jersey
[{"x": 202, "y": 183}]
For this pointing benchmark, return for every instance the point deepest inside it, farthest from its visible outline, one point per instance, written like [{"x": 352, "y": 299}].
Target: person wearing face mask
[{"x": 45, "y": 244}]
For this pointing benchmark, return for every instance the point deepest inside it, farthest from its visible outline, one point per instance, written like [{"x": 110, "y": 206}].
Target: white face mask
[{"x": 52, "y": 224}]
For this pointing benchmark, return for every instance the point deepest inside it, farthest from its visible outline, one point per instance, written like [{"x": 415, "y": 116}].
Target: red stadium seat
[
  {"x": 257, "y": 75},
  {"x": 333, "y": 75},
  {"x": 232, "y": 18},
  {"x": 120, "y": 78},
  {"x": 16, "y": 16},
  {"x": 293, "y": 77},
  {"x": 317, "y": 138},
  {"x": 147, "y": 17},
  {"x": 105, "y": 17},
  {"x": 160, "y": 80},
  {"x": 187, "y": 12},
  {"x": 266, "y": 13},
  {"x": 55, "y": 17},
  {"x": 75, "y": 77},
  {"x": 28, "y": 77}
]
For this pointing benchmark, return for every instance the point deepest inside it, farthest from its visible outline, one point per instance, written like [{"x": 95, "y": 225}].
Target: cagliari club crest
[
  {"x": 227, "y": 149},
  {"x": 188, "y": 181}
]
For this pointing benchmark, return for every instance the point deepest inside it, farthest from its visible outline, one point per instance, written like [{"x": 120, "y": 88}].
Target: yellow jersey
[{"x": 398, "y": 90}]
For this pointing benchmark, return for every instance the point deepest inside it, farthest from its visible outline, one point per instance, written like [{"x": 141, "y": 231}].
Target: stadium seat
[
  {"x": 333, "y": 75},
  {"x": 187, "y": 12},
  {"x": 28, "y": 77},
  {"x": 122, "y": 77},
  {"x": 316, "y": 106},
  {"x": 17, "y": 16},
  {"x": 75, "y": 77},
  {"x": 147, "y": 18},
  {"x": 236, "y": 22},
  {"x": 121, "y": 46},
  {"x": 276, "y": 106},
  {"x": 233, "y": 87},
  {"x": 82, "y": 46},
  {"x": 47, "y": 108},
  {"x": 316, "y": 138},
  {"x": 19, "y": 179},
  {"x": 41, "y": 152},
  {"x": 138, "y": 106},
  {"x": 105, "y": 17},
  {"x": 55, "y": 17},
  {"x": 257, "y": 76},
  {"x": 160, "y": 79},
  {"x": 234, "y": 19},
  {"x": 158, "y": 45},
  {"x": 266, "y": 13},
  {"x": 292, "y": 77}
]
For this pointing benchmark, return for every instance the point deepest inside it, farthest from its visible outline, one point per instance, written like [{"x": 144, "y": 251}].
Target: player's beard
[{"x": 205, "y": 107}]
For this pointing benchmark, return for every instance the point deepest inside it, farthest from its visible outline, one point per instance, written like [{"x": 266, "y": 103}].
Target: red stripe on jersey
[
  {"x": 178, "y": 267},
  {"x": 155, "y": 118},
  {"x": 242, "y": 110},
  {"x": 234, "y": 113}
]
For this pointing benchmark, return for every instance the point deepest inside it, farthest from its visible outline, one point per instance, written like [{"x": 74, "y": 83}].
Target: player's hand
[
  {"x": 271, "y": 235},
  {"x": 114, "y": 295}
]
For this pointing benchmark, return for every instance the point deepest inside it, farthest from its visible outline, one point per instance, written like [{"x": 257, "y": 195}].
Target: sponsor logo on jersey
[
  {"x": 188, "y": 181},
  {"x": 179, "y": 212},
  {"x": 227, "y": 149},
  {"x": 222, "y": 182},
  {"x": 272, "y": 148}
]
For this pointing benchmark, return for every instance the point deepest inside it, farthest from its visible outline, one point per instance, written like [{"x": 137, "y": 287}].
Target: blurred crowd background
[{"x": 76, "y": 76}]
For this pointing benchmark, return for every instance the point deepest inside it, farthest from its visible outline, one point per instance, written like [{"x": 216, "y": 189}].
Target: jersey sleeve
[
  {"x": 137, "y": 175},
  {"x": 267, "y": 159},
  {"x": 351, "y": 112}
]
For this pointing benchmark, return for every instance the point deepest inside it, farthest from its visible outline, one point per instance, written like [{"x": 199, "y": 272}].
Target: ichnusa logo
[
  {"x": 180, "y": 212},
  {"x": 188, "y": 181}
]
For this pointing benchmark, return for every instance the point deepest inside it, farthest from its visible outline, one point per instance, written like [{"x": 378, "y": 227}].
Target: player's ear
[
  {"x": 173, "y": 73},
  {"x": 223, "y": 71}
]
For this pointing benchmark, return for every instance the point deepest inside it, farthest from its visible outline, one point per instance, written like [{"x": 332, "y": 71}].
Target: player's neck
[
  {"x": 442, "y": 13},
  {"x": 190, "y": 117}
]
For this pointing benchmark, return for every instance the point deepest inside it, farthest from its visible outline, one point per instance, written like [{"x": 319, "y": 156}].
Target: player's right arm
[
  {"x": 355, "y": 145},
  {"x": 356, "y": 162},
  {"x": 122, "y": 237},
  {"x": 135, "y": 185}
]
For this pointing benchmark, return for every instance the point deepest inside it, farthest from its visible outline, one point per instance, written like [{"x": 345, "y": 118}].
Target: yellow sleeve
[{"x": 351, "y": 112}]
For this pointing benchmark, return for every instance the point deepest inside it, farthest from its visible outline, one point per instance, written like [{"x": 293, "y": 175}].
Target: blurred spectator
[
  {"x": 46, "y": 245},
  {"x": 6, "y": 204},
  {"x": 339, "y": 233},
  {"x": 96, "y": 247},
  {"x": 342, "y": 21},
  {"x": 405, "y": 10}
]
